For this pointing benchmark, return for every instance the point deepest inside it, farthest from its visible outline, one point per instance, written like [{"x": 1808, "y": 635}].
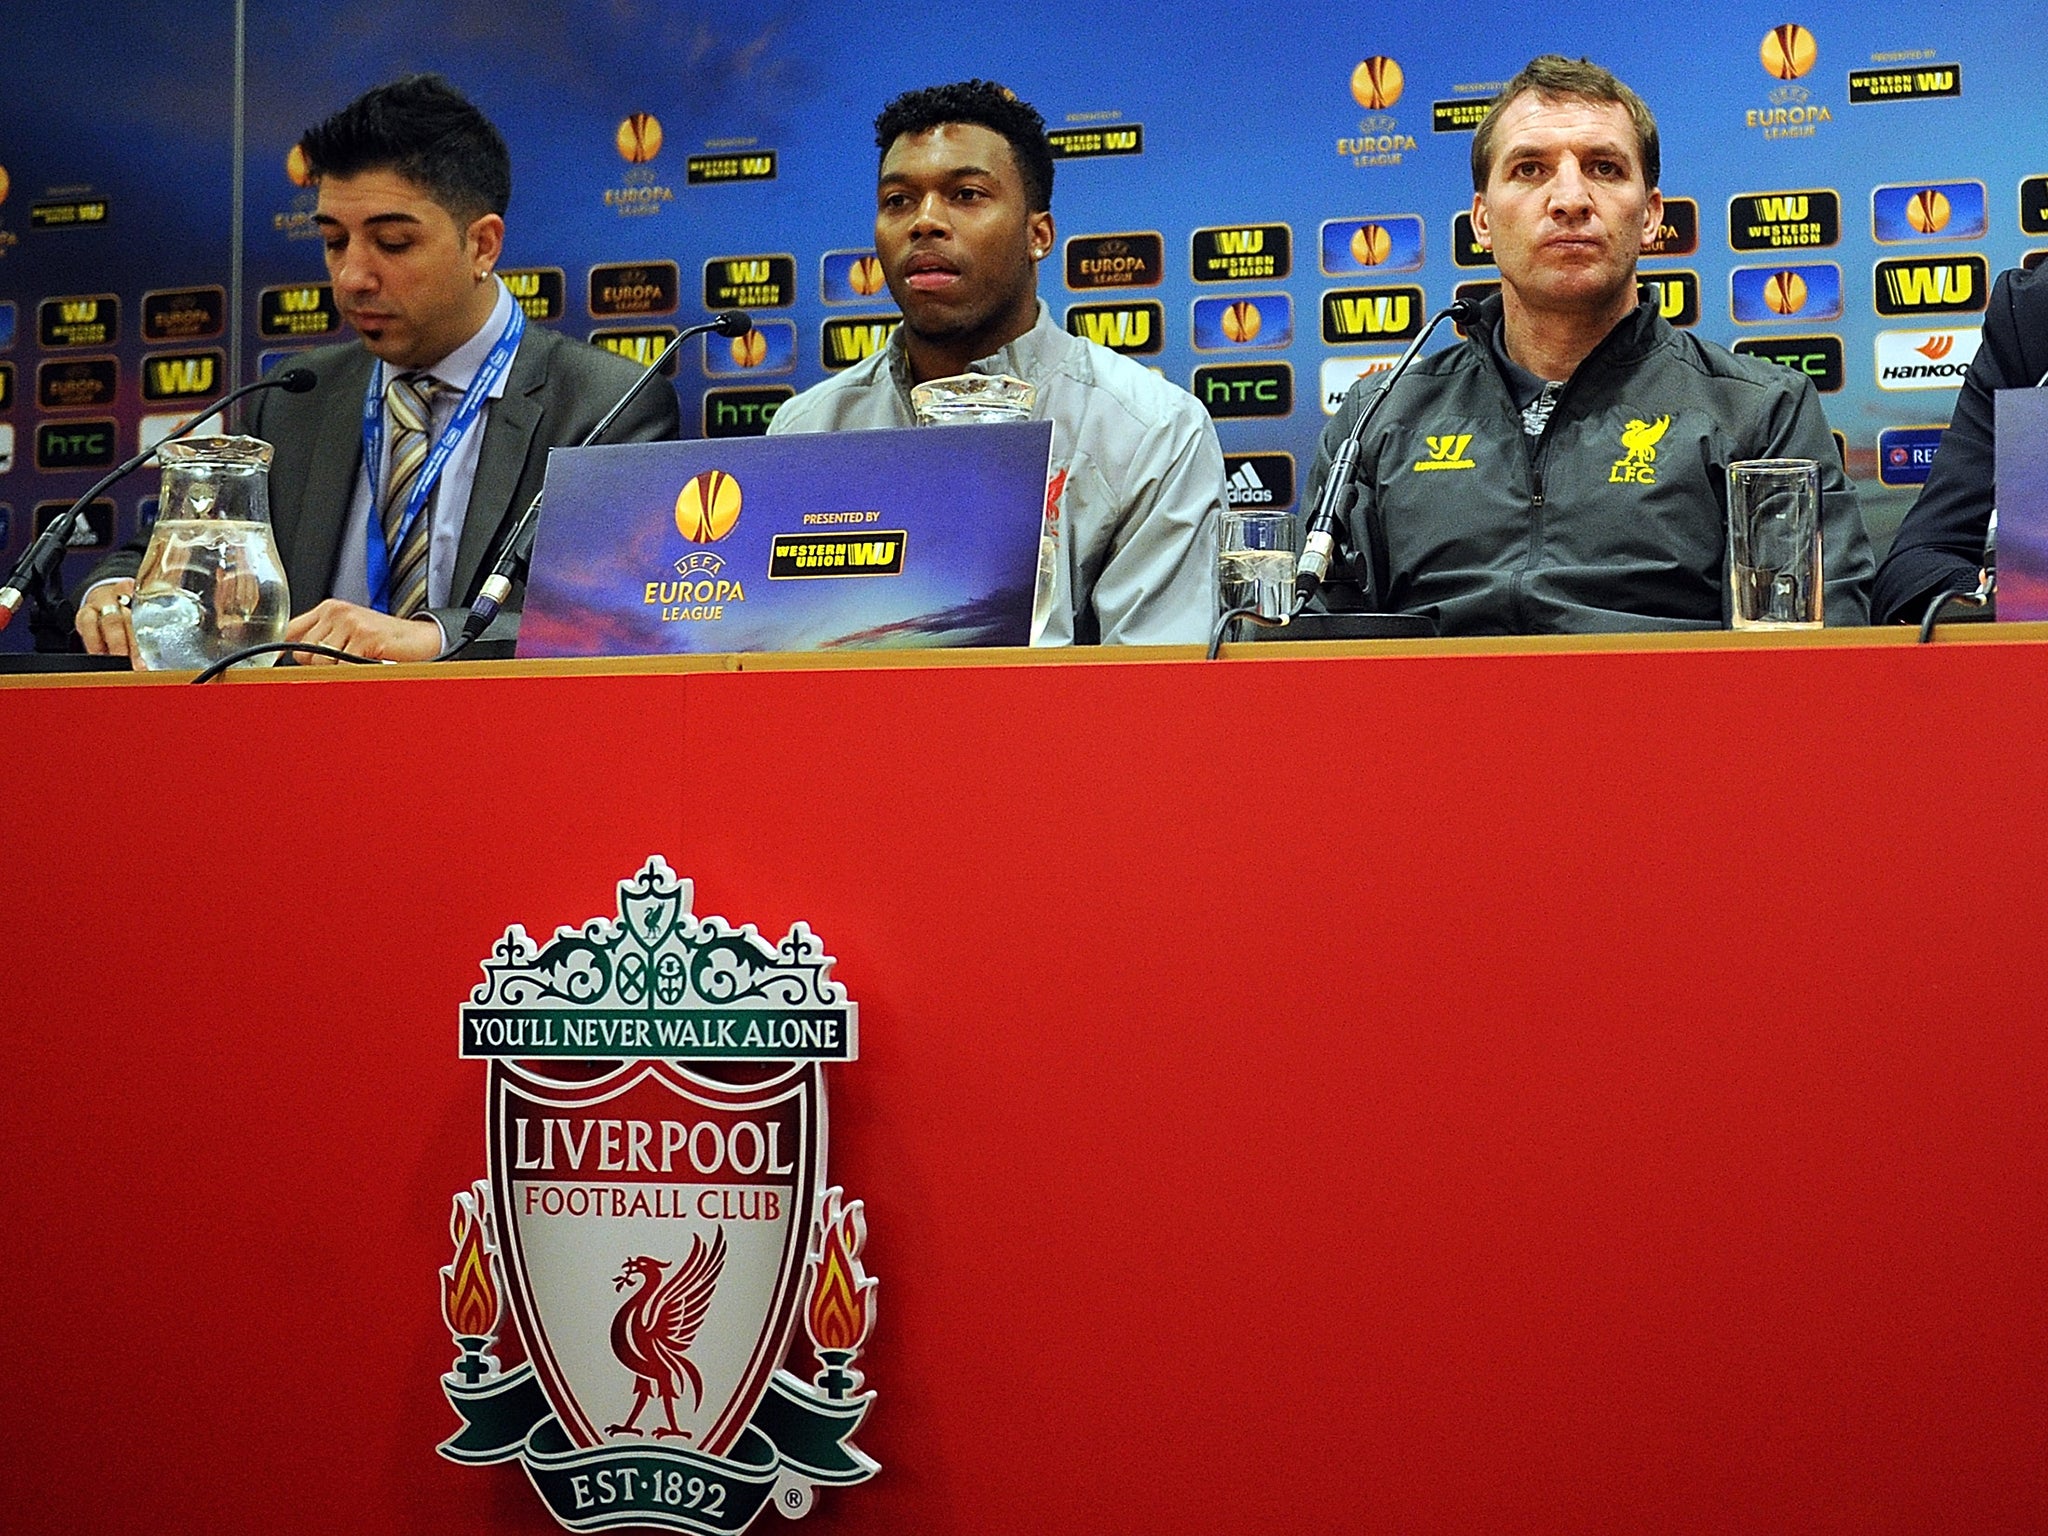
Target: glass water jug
[{"x": 211, "y": 582}]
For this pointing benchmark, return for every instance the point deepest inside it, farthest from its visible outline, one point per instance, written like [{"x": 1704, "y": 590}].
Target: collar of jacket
[{"x": 1634, "y": 337}]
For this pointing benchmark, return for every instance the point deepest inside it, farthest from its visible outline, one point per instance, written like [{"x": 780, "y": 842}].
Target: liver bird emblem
[
  {"x": 1639, "y": 438},
  {"x": 655, "y": 1326}
]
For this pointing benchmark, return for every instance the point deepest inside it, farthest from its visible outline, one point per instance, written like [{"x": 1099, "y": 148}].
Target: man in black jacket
[
  {"x": 1940, "y": 547},
  {"x": 1565, "y": 468}
]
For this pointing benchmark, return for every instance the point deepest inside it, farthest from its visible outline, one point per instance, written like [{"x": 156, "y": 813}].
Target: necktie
[{"x": 409, "y": 401}]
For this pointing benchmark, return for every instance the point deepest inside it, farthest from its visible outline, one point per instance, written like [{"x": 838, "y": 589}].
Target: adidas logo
[{"x": 1246, "y": 489}]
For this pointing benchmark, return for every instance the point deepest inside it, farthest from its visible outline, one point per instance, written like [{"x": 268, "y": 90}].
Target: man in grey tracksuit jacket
[
  {"x": 1564, "y": 468},
  {"x": 1614, "y": 516}
]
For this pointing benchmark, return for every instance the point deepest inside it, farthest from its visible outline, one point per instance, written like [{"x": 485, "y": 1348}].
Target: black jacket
[
  {"x": 1615, "y": 519},
  {"x": 1941, "y": 542}
]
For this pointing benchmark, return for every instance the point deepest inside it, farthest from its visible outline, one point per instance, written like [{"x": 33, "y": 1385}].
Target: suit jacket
[
  {"x": 556, "y": 392},
  {"x": 1941, "y": 543}
]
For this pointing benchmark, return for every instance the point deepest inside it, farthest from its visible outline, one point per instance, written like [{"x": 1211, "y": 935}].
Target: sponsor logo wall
[{"x": 1842, "y": 188}]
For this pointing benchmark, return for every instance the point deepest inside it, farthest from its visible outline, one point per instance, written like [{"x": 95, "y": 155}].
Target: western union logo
[
  {"x": 1376, "y": 314},
  {"x": 1869, "y": 85},
  {"x": 541, "y": 291},
  {"x": 1458, "y": 116},
  {"x": 750, "y": 282},
  {"x": 2034, "y": 206},
  {"x": 1136, "y": 330},
  {"x": 1446, "y": 453},
  {"x": 181, "y": 375},
  {"x": 856, "y": 338},
  {"x": 639, "y": 346},
  {"x": 1242, "y": 253},
  {"x": 1081, "y": 143},
  {"x": 1958, "y": 285},
  {"x": 1466, "y": 250},
  {"x": 79, "y": 320},
  {"x": 867, "y": 553},
  {"x": 299, "y": 309},
  {"x": 1784, "y": 221},
  {"x": 706, "y": 170},
  {"x": 1678, "y": 298}
]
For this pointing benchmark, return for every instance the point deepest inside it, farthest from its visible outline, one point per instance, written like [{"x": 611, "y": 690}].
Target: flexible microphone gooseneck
[
  {"x": 518, "y": 551},
  {"x": 43, "y": 556},
  {"x": 1320, "y": 543}
]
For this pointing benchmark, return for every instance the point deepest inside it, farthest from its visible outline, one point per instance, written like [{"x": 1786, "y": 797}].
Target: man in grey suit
[{"x": 448, "y": 397}]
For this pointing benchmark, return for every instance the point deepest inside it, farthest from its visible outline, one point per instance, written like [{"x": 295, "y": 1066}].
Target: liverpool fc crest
[{"x": 627, "y": 1284}]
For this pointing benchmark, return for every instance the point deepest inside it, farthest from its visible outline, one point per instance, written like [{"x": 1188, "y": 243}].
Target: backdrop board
[
  {"x": 1262, "y": 207},
  {"x": 1601, "y": 1126}
]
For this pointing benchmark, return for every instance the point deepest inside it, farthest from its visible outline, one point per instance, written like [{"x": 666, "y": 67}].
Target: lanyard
[{"x": 377, "y": 557}]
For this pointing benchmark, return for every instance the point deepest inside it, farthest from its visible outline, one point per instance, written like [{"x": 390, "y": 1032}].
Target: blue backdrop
[{"x": 657, "y": 142}]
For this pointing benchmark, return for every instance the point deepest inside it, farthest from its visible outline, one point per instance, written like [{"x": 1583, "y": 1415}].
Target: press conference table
[{"x": 1408, "y": 1086}]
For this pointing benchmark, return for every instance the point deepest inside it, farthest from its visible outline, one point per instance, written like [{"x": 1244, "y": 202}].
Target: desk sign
[{"x": 658, "y": 1219}]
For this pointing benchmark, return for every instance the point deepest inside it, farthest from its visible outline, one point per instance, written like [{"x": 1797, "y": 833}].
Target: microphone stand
[
  {"x": 1321, "y": 540},
  {"x": 36, "y": 570},
  {"x": 518, "y": 549}
]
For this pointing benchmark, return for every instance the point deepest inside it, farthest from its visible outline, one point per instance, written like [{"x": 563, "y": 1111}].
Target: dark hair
[
  {"x": 1552, "y": 77},
  {"x": 429, "y": 133},
  {"x": 987, "y": 105}
]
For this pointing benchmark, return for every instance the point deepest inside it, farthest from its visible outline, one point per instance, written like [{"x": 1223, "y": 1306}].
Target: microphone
[
  {"x": 47, "y": 552},
  {"x": 1320, "y": 544},
  {"x": 518, "y": 551}
]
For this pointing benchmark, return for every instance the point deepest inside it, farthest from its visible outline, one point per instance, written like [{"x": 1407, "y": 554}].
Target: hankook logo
[{"x": 1925, "y": 359}]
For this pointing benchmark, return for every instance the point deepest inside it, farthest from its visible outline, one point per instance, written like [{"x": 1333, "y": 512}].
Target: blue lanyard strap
[{"x": 377, "y": 557}]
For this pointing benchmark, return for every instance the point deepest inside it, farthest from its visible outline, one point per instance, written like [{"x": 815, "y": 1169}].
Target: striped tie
[{"x": 409, "y": 398}]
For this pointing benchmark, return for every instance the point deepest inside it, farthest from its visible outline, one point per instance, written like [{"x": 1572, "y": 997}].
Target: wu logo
[
  {"x": 1447, "y": 453},
  {"x": 1373, "y": 317},
  {"x": 1781, "y": 210},
  {"x": 181, "y": 376},
  {"x": 79, "y": 311},
  {"x": 1118, "y": 328},
  {"x": 1928, "y": 285},
  {"x": 746, "y": 271},
  {"x": 756, "y": 165},
  {"x": 298, "y": 301},
  {"x": 1639, "y": 439},
  {"x": 641, "y": 349},
  {"x": 852, "y": 341},
  {"x": 524, "y": 285},
  {"x": 1240, "y": 242}
]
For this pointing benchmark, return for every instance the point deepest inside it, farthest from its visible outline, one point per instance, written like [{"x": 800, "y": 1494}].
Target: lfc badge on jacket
[{"x": 627, "y": 1283}]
